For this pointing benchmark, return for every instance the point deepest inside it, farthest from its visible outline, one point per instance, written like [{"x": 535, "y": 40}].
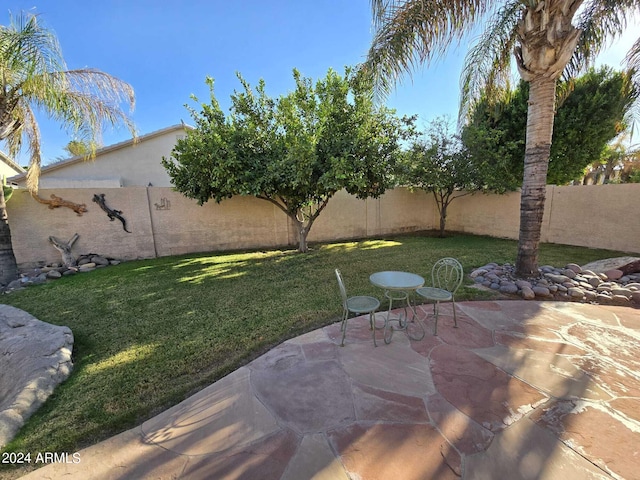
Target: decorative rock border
[
  {"x": 570, "y": 283},
  {"x": 85, "y": 263}
]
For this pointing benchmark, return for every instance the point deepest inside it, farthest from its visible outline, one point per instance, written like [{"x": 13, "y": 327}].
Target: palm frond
[
  {"x": 27, "y": 48},
  {"x": 601, "y": 22},
  {"x": 632, "y": 61},
  {"x": 411, "y": 33},
  {"x": 33, "y": 75},
  {"x": 633, "y": 57},
  {"x": 33, "y": 135},
  {"x": 83, "y": 100},
  {"x": 487, "y": 65}
]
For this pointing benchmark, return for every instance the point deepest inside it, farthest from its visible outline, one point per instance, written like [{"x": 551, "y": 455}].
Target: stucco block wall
[
  {"x": 163, "y": 222},
  {"x": 602, "y": 216},
  {"x": 32, "y": 223},
  {"x": 401, "y": 210},
  {"x": 397, "y": 211},
  {"x": 480, "y": 214},
  {"x": 235, "y": 223},
  {"x": 595, "y": 216}
]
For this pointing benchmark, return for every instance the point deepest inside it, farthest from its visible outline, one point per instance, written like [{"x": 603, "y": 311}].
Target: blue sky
[{"x": 165, "y": 49}]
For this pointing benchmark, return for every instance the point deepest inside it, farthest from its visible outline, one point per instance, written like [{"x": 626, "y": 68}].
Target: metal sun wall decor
[{"x": 112, "y": 214}]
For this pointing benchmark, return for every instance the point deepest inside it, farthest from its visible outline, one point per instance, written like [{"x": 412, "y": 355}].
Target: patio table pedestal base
[
  {"x": 404, "y": 322},
  {"x": 397, "y": 288}
]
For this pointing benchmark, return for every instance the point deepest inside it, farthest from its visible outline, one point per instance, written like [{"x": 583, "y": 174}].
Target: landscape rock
[
  {"x": 625, "y": 264},
  {"x": 631, "y": 267},
  {"x": 98, "y": 260},
  {"x": 54, "y": 271},
  {"x": 34, "y": 358},
  {"x": 575, "y": 292},
  {"x": 478, "y": 271},
  {"x": 527, "y": 293},
  {"x": 603, "y": 298},
  {"x": 566, "y": 284},
  {"x": 540, "y": 291},
  {"x": 575, "y": 267},
  {"x": 594, "y": 281},
  {"x": 621, "y": 291},
  {"x": 557, "y": 278},
  {"x": 509, "y": 288},
  {"x": 614, "y": 274},
  {"x": 620, "y": 300},
  {"x": 590, "y": 296}
]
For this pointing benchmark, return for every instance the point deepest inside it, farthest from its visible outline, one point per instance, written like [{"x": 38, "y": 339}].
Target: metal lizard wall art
[
  {"x": 112, "y": 214},
  {"x": 57, "y": 202}
]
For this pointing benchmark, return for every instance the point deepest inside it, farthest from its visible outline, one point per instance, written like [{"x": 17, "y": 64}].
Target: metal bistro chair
[
  {"x": 357, "y": 305},
  {"x": 446, "y": 278}
]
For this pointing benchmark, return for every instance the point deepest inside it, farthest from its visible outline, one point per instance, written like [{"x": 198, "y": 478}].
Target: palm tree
[
  {"x": 34, "y": 76},
  {"x": 548, "y": 39}
]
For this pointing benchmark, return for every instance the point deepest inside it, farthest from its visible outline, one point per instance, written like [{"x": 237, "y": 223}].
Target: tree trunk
[
  {"x": 540, "y": 117},
  {"x": 303, "y": 232},
  {"x": 443, "y": 219},
  {"x": 302, "y": 238},
  {"x": 8, "y": 266}
]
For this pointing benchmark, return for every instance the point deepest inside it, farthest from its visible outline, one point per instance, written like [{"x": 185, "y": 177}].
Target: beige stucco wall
[
  {"x": 180, "y": 225},
  {"x": 603, "y": 216},
  {"x": 596, "y": 216},
  {"x": 396, "y": 211},
  {"x": 494, "y": 215},
  {"x": 164, "y": 222},
  {"x": 32, "y": 223}
]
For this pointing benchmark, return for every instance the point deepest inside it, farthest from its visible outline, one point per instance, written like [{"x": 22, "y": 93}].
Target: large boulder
[
  {"x": 34, "y": 358},
  {"x": 626, "y": 265}
]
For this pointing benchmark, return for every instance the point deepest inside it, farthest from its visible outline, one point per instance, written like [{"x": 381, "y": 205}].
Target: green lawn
[{"x": 150, "y": 333}]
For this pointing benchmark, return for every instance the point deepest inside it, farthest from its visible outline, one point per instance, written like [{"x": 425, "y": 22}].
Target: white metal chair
[
  {"x": 358, "y": 305},
  {"x": 446, "y": 278}
]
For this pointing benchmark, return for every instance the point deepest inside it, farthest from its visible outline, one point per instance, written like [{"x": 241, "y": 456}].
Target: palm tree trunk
[
  {"x": 8, "y": 266},
  {"x": 540, "y": 114}
]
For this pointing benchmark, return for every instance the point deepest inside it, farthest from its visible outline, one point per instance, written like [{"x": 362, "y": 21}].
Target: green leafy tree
[
  {"x": 34, "y": 77},
  {"x": 295, "y": 151},
  {"x": 436, "y": 162},
  {"x": 591, "y": 113},
  {"x": 618, "y": 163},
  {"x": 591, "y": 116},
  {"x": 547, "y": 38}
]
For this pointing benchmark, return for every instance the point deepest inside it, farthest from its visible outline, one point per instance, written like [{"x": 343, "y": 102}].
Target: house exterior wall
[
  {"x": 8, "y": 168},
  {"x": 128, "y": 164},
  {"x": 6, "y": 171},
  {"x": 164, "y": 222}
]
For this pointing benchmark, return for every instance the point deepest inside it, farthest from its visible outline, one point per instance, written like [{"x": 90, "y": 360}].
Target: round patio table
[{"x": 397, "y": 288}]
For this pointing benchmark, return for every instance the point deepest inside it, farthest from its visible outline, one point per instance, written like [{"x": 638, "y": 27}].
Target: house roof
[
  {"x": 101, "y": 151},
  {"x": 5, "y": 158}
]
